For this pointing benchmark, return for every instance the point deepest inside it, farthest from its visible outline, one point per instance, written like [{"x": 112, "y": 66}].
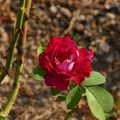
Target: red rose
[{"x": 64, "y": 61}]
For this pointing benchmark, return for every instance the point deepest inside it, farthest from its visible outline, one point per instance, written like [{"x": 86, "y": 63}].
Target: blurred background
[{"x": 97, "y": 28}]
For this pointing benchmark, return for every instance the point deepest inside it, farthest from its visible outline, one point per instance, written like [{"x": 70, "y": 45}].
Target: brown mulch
[{"x": 97, "y": 28}]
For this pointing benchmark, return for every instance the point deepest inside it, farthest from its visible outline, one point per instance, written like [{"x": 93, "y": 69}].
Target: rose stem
[
  {"x": 16, "y": 84},
  {"x": 15, "y": 38}
]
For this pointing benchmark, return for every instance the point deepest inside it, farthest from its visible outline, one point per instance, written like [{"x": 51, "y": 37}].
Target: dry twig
[{"x": 76, "y": 14}]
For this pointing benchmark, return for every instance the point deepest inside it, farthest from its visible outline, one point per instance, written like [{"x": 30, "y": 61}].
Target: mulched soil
[{"x": 97, "y": 28}]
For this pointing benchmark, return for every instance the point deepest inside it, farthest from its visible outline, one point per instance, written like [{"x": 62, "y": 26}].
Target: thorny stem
[
  {"x": 21, "y": 44},
  {"x": 15, "y": 38}
]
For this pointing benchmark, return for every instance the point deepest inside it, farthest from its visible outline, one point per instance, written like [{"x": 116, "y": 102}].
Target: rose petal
[
  {"x": 45, "y": 63},
  {"x": 63, "y": 60},
  {"x": 78, "y": 78},
  {"x": 87, "y": 68},
  {"x": 56, "y": 82},
  {"x": 85, "y": 53},
  {"x": 67, "y": 39}
]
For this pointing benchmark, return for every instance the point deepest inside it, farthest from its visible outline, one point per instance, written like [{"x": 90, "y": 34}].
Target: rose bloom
[{"x": 63, "y": 61}]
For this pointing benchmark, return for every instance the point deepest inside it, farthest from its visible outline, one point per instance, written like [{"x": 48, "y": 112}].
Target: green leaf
[
  {"x": 110, "y": 115},
  {"x": 95, "y": 78},
  {"x": 40, "y": 49},
  {"x": 60, "y": 98},
  {"x": 38, "y": 74},
  {"x": 73, "y": 97},
  {"x": 2, "y": 118},
  {"x": 100, "y": 101},
  {"x": 54, "y": 91},
  {"x": 104, "y": 97},
  {"x": 72, "y": 84},
  {"x": 95, "y": 106}
]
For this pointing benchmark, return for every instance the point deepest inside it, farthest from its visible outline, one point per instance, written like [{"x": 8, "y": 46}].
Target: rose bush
[{"x": 63, "y": 61}]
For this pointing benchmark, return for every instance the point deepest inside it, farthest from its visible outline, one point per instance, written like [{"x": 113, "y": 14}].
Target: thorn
[
  {"x": 15, "y": 62},
  {"x": 19, "y": 30},
  {"x": 8, "y": 49},
  {"x": 34, "y": 2},
  {"x": 26, "y": 17},
  {"x": 21, "y": 8},
  {"x": 20, "y": 73}
]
